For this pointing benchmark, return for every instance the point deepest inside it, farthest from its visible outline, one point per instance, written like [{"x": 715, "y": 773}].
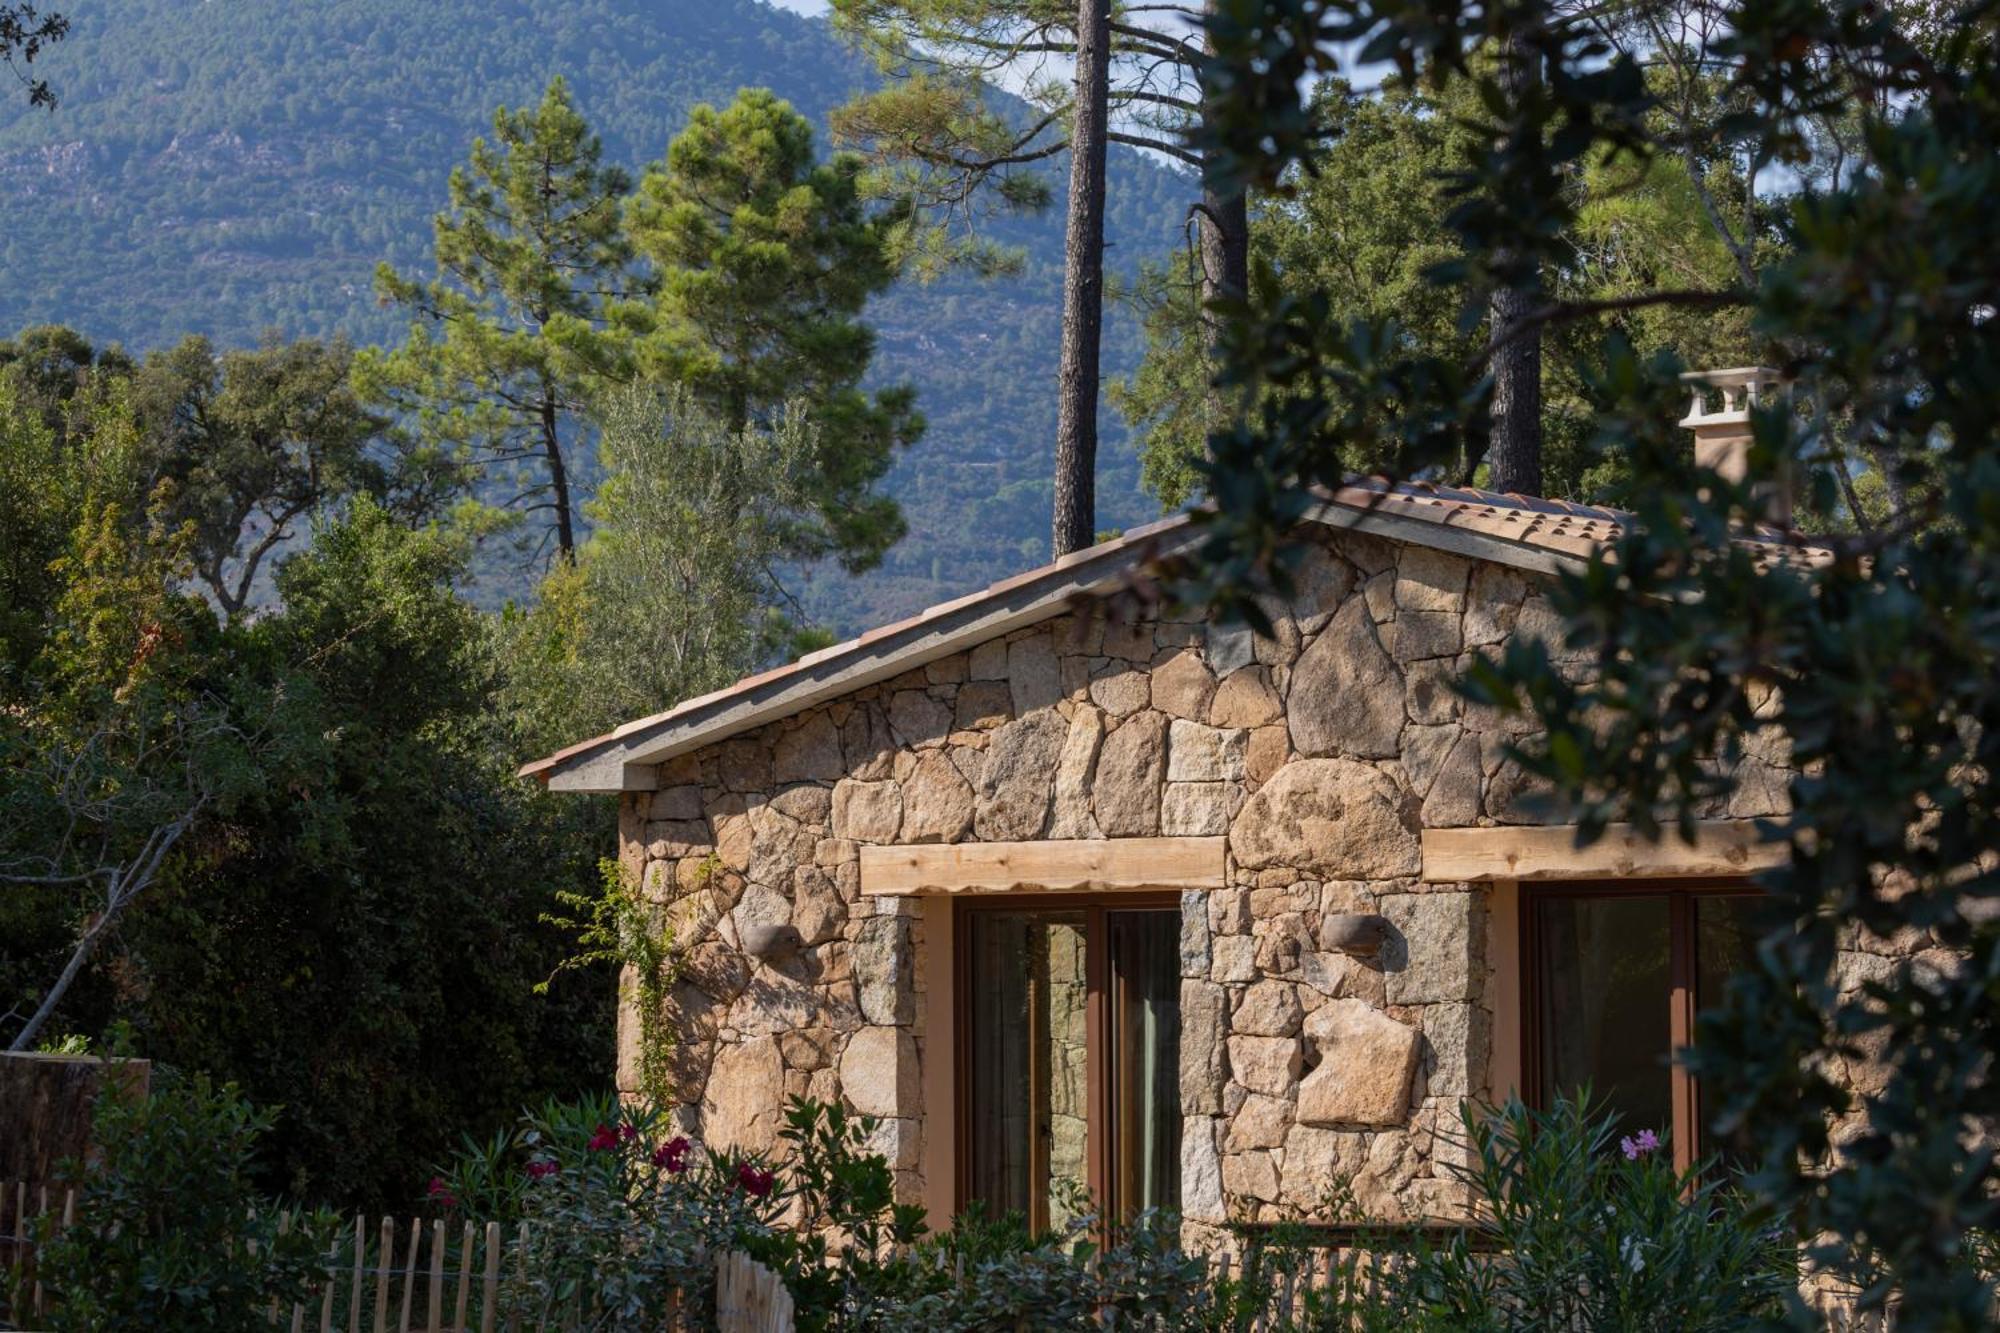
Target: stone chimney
[{"x": 1722, "y": 437}]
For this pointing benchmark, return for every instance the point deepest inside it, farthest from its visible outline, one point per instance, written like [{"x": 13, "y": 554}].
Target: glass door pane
[
  {"x": 1725, "y": 937},
  {"x": 1605, "y": 987},
  {"x": 1144, "y": 1060},
  {"x": 1027, "y": 1090}
]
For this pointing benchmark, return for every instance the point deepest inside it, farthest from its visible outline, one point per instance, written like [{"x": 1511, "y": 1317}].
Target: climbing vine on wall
[{"x": 619, "y": 926}]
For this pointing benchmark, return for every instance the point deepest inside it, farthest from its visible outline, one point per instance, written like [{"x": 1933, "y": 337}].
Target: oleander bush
[
  {"x": 1581, "y": 1227},
  {"x": 170, "y": 1230}
]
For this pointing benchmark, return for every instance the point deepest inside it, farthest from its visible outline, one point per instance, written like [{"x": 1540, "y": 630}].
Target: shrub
[
  {"x": 169, "y": 1231},
  {"x": 1000, "y": 1278},
  {"x": 1576, "y": 1231},
  {"x": 487, "y": 1179},
  {"x": 1582, "y": 1229},
  {"x": 625, "y": 1219}
]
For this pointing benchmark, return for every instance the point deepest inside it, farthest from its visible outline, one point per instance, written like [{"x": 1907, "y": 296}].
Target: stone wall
[{"x": 1321, "y": 751}]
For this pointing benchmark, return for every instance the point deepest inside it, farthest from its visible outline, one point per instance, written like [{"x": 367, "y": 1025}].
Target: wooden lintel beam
[
  {"x": 1720, "y": 847},
  {"x": 1056, "y": 866}
]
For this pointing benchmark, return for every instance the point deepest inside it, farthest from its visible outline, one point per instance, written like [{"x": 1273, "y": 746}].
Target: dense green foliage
[
  {"x": 251, "y": 444},
  {"x": 1575, "y": 1231},
  {"x": 762, "y": 260},
  {"x": 287, "y": 850},
  {"x": 1875, "y": 675},
  {"x": 171, "y": 1230},
  {"x": 227, "y": 169},
  {"x": 363, "y": 946},
  {"x": 1362, "y": 224},
  {"x": 673, "y": 595}
]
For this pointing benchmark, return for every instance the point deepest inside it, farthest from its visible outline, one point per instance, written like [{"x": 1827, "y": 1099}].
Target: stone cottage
[{"x": 1081, "y": 901}]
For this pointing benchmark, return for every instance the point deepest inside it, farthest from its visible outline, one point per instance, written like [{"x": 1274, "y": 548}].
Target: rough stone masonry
[{"x": 1320, "y": 751}]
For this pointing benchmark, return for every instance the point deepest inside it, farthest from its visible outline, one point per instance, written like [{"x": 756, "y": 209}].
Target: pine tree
[
  {"x": 938, "y": 140},
  {"x": 1074, "y": 524},
  {"x": 763, "y": 259},
  {"x": 508, "y": 339}
]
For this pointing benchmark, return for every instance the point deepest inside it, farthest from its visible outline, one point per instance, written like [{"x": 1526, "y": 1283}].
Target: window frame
[
  {"x": 1684, "y": 1003},
  {"x": 1100, "y": 1166}
]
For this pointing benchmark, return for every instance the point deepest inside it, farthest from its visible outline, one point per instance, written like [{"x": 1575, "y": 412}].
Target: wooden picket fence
[
  {"x": 1310, "y": 1287},
  {"x": 423, "y": 1275}
]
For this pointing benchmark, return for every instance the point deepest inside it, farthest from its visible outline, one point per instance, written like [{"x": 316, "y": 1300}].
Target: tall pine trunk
[
  {"x": 1225, "y": 252},
  {"x": 1075, "y": 525},
  {"x": 558, "y": 477},
  {"x": 1225, "y": 276},
  {"x": 1515, "y": 451}
]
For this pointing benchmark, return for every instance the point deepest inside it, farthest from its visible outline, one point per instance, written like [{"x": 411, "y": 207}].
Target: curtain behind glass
[
  {"x": 1145, "y": 964},
  {"x": 1605, "y": 1017}
]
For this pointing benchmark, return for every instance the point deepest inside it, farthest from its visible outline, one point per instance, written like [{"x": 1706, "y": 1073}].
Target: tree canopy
[
  {"x": 763, "y": 258},
  {"x": 515, "y": 331},
  {"x": 1873, "y": 674}
]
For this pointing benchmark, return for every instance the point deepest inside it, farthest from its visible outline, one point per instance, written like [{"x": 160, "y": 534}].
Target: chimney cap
[{"x": 1741, "y": 388}]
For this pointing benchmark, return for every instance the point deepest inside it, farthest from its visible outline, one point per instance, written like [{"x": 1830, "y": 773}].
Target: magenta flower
[
  {"x": 541, "y": 1170},
  {"x": 757, "y": 1184},
  {"x": 627, "y": 1132},
  {"x": 672, "y": 1156},
  {"x": 603, "y": 1140},
  {"x": 1635, "y": 1148},
  {"x": 440, "y": 1194}
]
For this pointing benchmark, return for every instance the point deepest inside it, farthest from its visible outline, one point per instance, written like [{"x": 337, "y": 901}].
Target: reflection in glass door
[
  {"x": 1027, "y": 1094},
  {"x": 1069, "y": 1064}
]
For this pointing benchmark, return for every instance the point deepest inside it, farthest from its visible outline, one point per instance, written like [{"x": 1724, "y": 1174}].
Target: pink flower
[
  {"x": 628, "y": 1131},
  {"x": 603, "y": 1140},
  {"x": 672, "y": 1156},
  {"x": 757, "y": 1184},
  {"x": 1635, "y": 1148},
  {"x": 542, "y": 1170},
  {"x": 440, "y": 1193}
]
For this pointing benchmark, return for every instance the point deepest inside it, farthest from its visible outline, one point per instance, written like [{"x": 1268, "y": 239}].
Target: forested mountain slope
[{"x": 231, "y": 166}]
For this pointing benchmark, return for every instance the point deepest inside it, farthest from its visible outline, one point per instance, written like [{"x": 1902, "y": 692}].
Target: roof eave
[{"x": 627, "y": 759}]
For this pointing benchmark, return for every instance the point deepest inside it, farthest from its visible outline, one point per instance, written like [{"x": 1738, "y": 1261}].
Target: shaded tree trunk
[
  {"x": 1225, "y": 275},
  {"x": 1515, "y": 450},
  {"x": 558, "y": 480},
  {"x": 1225, "y": 230},
  {"x": 1075, "y": 525}
]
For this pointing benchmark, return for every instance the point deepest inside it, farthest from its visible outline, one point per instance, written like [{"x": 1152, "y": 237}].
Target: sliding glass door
[
  {"x": 1069, "y": 1057},
  {"x": 1027, "y": 1099},
  {"x": 1616, "y": 975}
]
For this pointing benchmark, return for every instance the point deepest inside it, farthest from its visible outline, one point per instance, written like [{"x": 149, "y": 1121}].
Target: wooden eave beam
[
  {"x": 1060, "y": 865},
  {"x": 1721, "y": 847}
]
